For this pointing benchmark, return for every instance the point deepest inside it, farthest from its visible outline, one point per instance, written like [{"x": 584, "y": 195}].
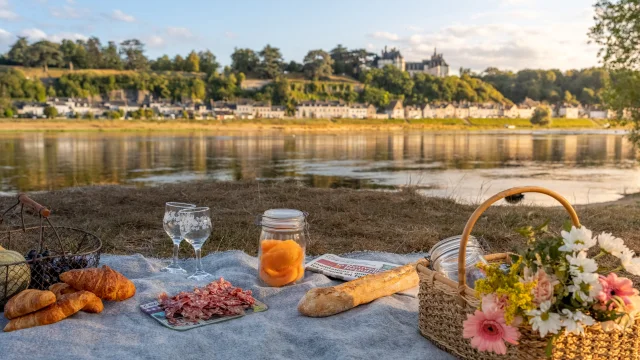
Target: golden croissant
[
  {"x": 28, "y": 301},
  {"x": 68, "y": 305},
  {"x": 94, "y": 305},
  {"x": 105, "y": 282}
]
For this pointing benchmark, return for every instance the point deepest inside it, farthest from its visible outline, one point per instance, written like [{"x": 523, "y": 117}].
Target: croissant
[
  {"x": 94, "y": 305},
  {"x": 68, "y": 305},
  {"x": 28, "y": 301},
  {"x": 105, "y": 282}
]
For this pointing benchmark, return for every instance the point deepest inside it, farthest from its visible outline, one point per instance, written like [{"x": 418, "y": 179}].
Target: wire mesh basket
[{"x": 34, "y": 256}]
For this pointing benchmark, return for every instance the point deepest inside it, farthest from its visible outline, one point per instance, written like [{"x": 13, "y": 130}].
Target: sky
[{"x": 508, "y": 34}]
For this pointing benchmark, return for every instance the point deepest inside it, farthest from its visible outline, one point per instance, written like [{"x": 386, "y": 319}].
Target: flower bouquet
[
  {"x": 559, "y": 297},
  {"x": 556, "y": 287}
]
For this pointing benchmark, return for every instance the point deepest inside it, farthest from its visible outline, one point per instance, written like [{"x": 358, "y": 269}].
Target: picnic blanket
[{"x": 386, "y": 328}]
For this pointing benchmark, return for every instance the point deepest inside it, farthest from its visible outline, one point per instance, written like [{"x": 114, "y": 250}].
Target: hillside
[{"x": 54, "y": 73}]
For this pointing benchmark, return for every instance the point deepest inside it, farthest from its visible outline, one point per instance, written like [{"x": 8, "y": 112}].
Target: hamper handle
[
  {"x": 462, "y": 253},
  {"x": 26, "y": 200}
]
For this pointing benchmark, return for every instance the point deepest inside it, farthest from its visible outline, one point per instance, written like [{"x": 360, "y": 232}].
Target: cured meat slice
[{"x": 219, "y": 298}]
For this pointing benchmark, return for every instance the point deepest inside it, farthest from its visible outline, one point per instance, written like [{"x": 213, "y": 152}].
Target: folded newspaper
[{"x": 350, "y": 269}]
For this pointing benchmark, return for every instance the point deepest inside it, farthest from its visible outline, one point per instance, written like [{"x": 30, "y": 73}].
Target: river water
[{"x": 584, "y": 167}]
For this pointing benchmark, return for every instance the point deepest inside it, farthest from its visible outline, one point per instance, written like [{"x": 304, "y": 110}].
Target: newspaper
[
  {"x": 350, "y": 269},
  {"x": 154, "y": 310}
]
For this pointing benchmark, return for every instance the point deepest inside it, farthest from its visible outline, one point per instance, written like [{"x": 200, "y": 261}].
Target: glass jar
[
  {"x": 281, "y": 250},
  {"x": 447, "y": 264},
  {"x": 449, "y": 243}
]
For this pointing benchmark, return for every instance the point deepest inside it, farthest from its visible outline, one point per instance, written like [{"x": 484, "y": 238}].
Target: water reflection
[{"x": 588, "y": 168}]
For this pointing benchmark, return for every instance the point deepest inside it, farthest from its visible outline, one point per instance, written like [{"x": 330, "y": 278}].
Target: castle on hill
[{"x": 436, "y": 66}]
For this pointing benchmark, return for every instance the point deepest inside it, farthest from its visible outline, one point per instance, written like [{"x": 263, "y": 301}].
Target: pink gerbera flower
[
  {"x": 488, "y": 331},
  {"x": 612, "y": 285}
]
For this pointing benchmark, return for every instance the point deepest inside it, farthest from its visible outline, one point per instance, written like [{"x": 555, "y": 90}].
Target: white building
[
  {"x": 322, "y": 109},
  {"x": 412, "y": 112},
  {"x": 567, "y": 111},
  {"x": 596, "y": 113},
  {"x": 525, "y": 112},
  {"x": 395, "y": 110},
  {"x": 362, "y": 111},
  {"x": 437, "y": 66},
  {"x": 31, "y": 109},
  {"x": 391, "y": 57}
]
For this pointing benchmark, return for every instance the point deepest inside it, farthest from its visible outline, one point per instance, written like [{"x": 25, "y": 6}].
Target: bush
[
  {"x": 541, "y": 116},
  {"x": 8, "y": 113},
  {"x": 50, "y": 112}
]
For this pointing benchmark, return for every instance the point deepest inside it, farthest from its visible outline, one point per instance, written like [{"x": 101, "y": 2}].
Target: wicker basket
[
  {"x": 444, "y": 305},
  {"x": 69, "y": 248}
]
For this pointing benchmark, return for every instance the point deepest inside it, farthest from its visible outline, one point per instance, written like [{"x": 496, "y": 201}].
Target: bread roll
[{"x": 320, "y": 302}]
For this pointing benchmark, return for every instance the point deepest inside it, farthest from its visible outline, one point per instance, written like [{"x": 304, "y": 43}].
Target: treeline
[{"x": 585, "y": 86}]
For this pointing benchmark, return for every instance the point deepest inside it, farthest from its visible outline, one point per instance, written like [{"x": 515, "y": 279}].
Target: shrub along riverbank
[{"x": 14, "y": 125}]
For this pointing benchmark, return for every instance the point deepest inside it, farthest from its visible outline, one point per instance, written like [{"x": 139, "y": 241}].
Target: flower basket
[{"x": 445, "y": 305}]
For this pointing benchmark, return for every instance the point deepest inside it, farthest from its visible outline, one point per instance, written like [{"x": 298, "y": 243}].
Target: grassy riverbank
[
  {"x": 129, "y": 220},
  {"x": 21, "y": 125}
]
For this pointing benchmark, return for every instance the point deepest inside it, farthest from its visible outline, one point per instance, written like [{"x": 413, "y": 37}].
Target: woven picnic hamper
[{"x": 444, "y": 305}]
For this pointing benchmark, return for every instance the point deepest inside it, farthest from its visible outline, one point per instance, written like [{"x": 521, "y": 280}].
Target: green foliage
[
  {"x": 350, "y": 62},
  {"x": 616, "y": 32},
  {"x": 50, "y": 112},
  {"x": 378, "y": 97},
  {"x": 14, "y": 85},
  {"x": 88, "y": 116},
  {"x": 208, "y": 62},
  {"x": 43, "y": 53},
  {"x": 318, "y": 64},
  {"x": 271, "y": 62},
  {"x": 541, "y": 116},
  {"x": 192, "y": 63},
  {"x": 244, "y": 60},
  {"x": 132, "y": 51},
  {"x": 547, "y": 85},
  {"x": 8, "y": 113}
]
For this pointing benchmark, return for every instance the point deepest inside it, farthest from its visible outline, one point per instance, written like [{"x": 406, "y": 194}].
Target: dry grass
[{"x": 129, "y": 220}]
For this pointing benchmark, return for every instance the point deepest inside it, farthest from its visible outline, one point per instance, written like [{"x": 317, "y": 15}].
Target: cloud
[
  {"x": 513, "y": 2},
  {"x": 415, "y": 28},
  {"x": 521, "y": 14},
  {"x": 179, "y": 32},
  {"x": 512, "y": 46},
  {"x": 6, "y": 14},
  {"x": 384, "y": 35},
  {"x": 5, "y": 37},
  {"x": 35, "y": 34},
  {"x": 155, "y": 41},
  {"x": 68, "y": 12},
  {"x": 230, "y": 35},
  {"x": 118, "y": 15}
]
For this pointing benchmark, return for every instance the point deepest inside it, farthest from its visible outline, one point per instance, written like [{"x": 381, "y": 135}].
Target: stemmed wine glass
[
  {"x": 195, "y": 225},
  {"x": 171, "y": 226}
]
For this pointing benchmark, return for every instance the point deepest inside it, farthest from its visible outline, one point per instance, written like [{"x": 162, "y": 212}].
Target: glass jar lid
[{"x": 283, "y": 219}]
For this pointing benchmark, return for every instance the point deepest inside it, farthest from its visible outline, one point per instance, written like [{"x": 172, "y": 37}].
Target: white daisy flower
[
  {"x": 543, "y": 321},
  {"x": 575, "y": 322},
  {"x": 585, "y": 287},
  {"x": 611, "y": 244},
  {"x": 580, "y": 264},
  {"x": 577, "y": 239},
  {"x": 630, "y": 263}
]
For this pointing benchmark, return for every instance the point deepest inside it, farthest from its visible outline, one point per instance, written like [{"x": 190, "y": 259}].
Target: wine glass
[
  {"x": 171, "y": 226},
  {"x": 195, "y": 225}
]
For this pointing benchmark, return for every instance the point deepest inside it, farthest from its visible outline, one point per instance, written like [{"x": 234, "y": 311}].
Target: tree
[
  {"x": 340, "y": 56},
  {"x": 271, "y": 62},
  {"x": 208, "y": 62},
  {"x": 8, "y": 113},
  {"x": 18, "y": 51},
  {"x": 244, "y": 60},
  {"x": 616, "y": 32},
  {"x": 79, "y": 57},
  {"x": 192, "y": 63},
  {"x": 541, "y": 116},
  {"x": 50, "y": 112},
  {"x": 178, "y": 63},
  {"x": 43, "y": 53},
  {"x": 294, "y": 67},
  {"x": 110, "y": 57},
  {"x": 51, "y": 92},
  {"x": 163, "y": 63},
  {"x": 94, "y": 53},
  {"x": 68, "y": 49},
  {"x": 318, "y": 64},
  {"x": 199, "y": 90},
  {"x": 133, "y": 52},
  {"x": 378, "y": 97}
]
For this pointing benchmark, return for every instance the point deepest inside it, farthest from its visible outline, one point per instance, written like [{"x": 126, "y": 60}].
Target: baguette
[{"x": 321, "y": 302}]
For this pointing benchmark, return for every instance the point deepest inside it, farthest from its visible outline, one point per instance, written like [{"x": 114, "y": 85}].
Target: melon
[{"x": 13, "y": 278}]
